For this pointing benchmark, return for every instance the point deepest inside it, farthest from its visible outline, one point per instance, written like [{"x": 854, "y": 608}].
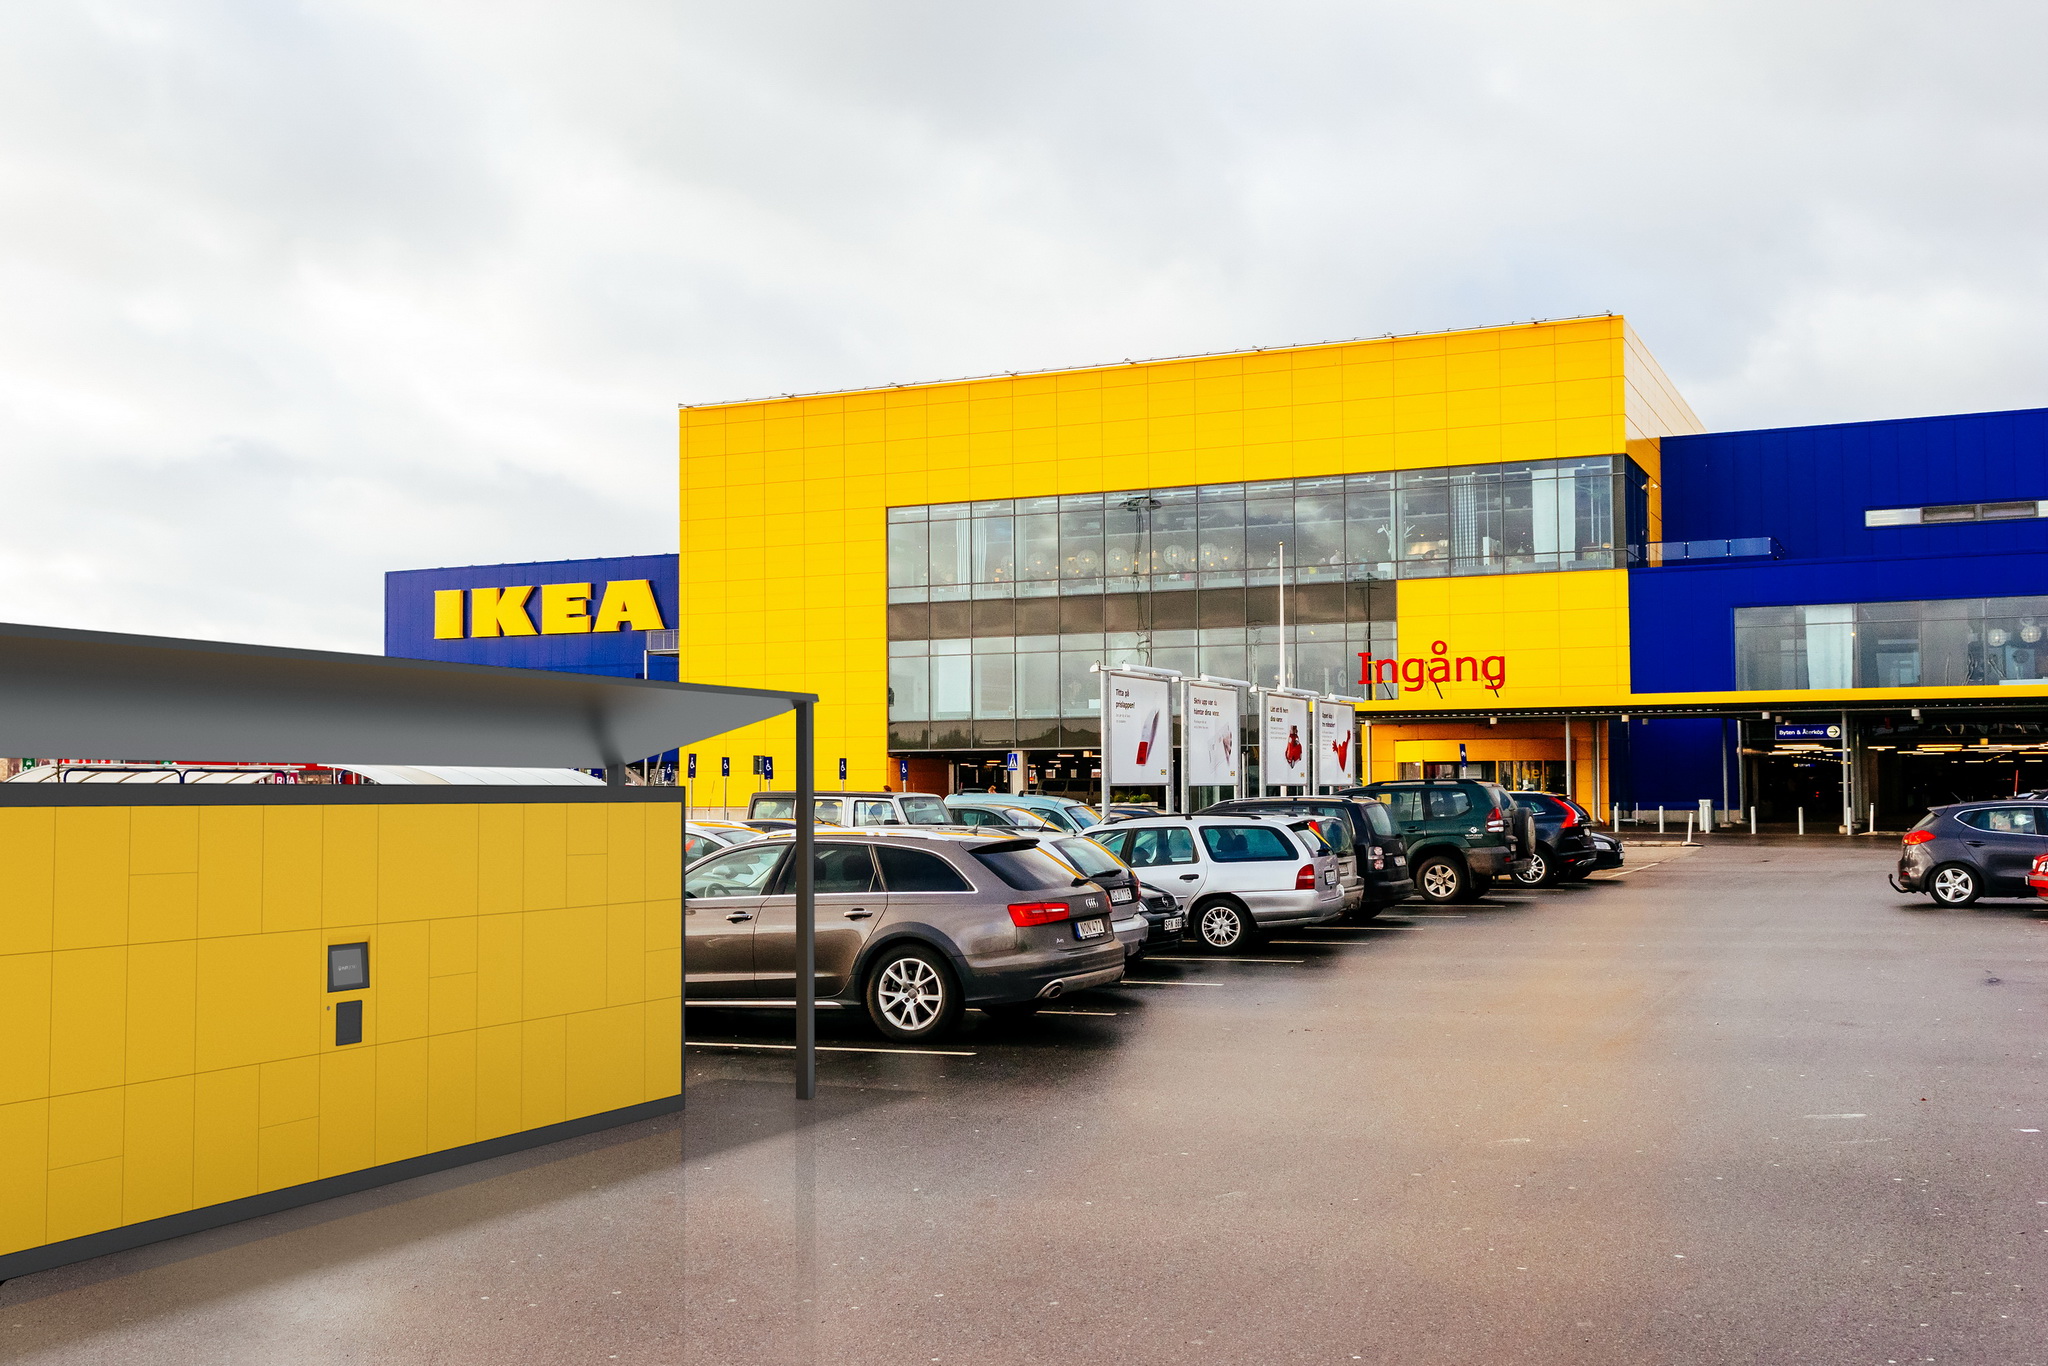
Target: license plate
[
  {"x": 1175, "y": 924},
  {"x": 1090, "y": 929},
  {"x": 1119, "y": 895},
  {"x": 1329, "y": 879}
]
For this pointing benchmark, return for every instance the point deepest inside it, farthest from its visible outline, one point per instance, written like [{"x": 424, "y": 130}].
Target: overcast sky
[{"x": 293, "y": 294}]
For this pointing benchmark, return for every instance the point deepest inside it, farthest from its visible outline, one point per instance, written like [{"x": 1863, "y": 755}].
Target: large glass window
[
  {"x": 1003, "y": 604},
  {"x": 1938, "y": 643}
]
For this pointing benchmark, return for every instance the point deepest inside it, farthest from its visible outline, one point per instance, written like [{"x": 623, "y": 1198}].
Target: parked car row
[{"x": 927, "y": 906}]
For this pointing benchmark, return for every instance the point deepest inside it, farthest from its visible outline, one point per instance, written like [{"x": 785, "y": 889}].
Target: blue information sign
[{"x": 1809, "y": 733}]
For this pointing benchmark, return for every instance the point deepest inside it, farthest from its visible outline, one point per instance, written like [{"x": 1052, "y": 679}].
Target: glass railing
[{"x": 1680, "y": 552}]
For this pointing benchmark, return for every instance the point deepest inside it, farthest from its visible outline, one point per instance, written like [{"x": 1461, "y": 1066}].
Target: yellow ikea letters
[
  {"x": 564, "y": 609},
  {"x": 628, "y": 605},
  {"x": 499, "y": 612}
]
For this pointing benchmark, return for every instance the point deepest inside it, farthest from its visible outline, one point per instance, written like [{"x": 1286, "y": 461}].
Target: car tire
[
  {"x": 911, "y": 996},
  {"x": 1539, "y": 871},
  {"x": 1479, "y": 888},
  {"x": 1225, "y": 926},
  {"x": 1955, "y": 884},
  {"x": 1442, "y": 880}
]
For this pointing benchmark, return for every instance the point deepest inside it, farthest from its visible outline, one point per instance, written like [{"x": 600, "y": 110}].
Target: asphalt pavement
[{"x": 1739, "y": 1104}]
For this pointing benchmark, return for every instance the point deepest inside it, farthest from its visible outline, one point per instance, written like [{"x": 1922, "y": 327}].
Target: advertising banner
[
  {"x": 1211, "y": 736},
  {"x": 1140, "y": 735},
  {"x": 1336, "y": 729},
  {"x": 1284, "y": 740}
]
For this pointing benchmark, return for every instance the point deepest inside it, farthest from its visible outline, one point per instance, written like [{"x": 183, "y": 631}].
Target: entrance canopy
[{"x": 95, "y": 695}]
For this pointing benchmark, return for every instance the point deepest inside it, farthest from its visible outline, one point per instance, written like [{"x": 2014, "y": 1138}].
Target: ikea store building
[{"x": 1510, "y": 553}]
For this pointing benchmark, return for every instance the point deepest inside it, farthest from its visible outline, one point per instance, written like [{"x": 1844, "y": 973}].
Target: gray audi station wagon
[{"x": 913, "y": 927}]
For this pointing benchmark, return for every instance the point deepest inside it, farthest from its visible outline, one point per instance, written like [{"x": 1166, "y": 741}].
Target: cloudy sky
[{"x": 295, "y": 293}]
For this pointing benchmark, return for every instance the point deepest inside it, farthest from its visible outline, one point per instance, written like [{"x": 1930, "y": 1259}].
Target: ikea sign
[
  {"x": 571, "y": 616},
  {"x": 562, "y": 609}
]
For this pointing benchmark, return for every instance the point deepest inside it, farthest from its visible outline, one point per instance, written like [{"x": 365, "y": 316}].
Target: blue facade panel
[
  {"x": 1682, "y": 617},
  {"x": 409, "y": 616},
  {"x": 1810, "y": 486}
]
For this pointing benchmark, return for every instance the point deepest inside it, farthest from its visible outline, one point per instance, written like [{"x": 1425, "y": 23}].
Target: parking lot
[{"x": 1739, "y": 1103}]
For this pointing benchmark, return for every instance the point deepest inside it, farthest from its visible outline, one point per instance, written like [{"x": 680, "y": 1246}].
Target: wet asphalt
[{"x": 1745, "y": 1104}]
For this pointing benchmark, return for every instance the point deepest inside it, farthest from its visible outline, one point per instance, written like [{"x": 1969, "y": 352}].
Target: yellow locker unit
[{"x": 224, "y": 1001}]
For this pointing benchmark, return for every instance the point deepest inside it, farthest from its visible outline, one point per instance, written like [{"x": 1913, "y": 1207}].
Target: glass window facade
[
  {"x": 1951, "y": 642},
  {"x": 1531, "y": 517},
  {"x": 998, "y": 608}
]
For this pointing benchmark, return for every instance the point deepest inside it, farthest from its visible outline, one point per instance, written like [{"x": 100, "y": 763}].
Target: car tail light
[
  {"x": 1038, "y": 912},
  {"x": 1305, "y": 880},
  {"x": 1571, "y": 815},
  {"x": 1495, "y": 822},
  {"x": 1917, "y": 837},
  {"x": 2038, "y": 877}
]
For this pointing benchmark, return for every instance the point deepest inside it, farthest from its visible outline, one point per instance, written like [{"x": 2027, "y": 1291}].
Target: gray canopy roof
[{"x": 96, "y": 695}]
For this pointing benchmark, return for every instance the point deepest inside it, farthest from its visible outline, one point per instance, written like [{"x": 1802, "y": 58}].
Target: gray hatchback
[
  {"x": 1970, "y": 849},
  {"x": 912, "y": 927}
]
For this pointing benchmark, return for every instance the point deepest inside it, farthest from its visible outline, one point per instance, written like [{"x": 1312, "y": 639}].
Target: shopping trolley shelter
[{"x": 222, "y": 1001}]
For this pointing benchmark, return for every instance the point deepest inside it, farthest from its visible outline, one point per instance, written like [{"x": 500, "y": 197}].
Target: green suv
[{"x": 1462, "y": 833}]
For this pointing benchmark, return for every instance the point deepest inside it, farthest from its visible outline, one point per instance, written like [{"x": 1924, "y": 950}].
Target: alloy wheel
[
  {"x": 1537, "y": 871},
  {"x": 911, "y": 994},
  {"x": 1222, "y": 927},
  {"x": 1440, "y": 882},
  {"x": 1955, "y": 886}
]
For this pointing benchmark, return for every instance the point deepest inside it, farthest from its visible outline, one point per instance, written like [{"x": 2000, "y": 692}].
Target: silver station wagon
[
  {"x": 1239, "y": 876},
  {"x": 914, "y": 926}
]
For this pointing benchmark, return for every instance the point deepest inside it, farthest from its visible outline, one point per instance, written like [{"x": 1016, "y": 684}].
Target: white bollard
[
  {"x": 1688, "y": 827},
  {"x": 1872, "y": 827},
  {"x": 1706, "y": 814},
  {"x": 1802, "y": 820},
  {"x": 1752, "y": 820},
  {"x": 1660, "y": 820}
]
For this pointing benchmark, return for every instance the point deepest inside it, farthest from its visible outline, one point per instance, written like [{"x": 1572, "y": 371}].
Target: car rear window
[
  {"x": 772, "y": 809},
  {"x": 1337, "y": 830},
  {"x": 913, "y": 870},
  {"x": 1927, "y": 821},
  {"x": 925, "y": 811},
  {"x": 1090, "y": 857},
  {"x": 1028, "y": 869},
  {"x": 1247, "y": 844},
  {"x": 1311, "y": 831},
  {"x": 1376, "y": 816}
]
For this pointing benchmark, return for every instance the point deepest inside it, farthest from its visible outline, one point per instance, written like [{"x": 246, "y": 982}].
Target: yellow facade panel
[
  {"x": 28, "y": 851},
  {"x": 90, "y": 884},
  {"x": 25, "y": 1025},
  {"x": 156, "y": 1149},
  {"x": 88, "y": 1019}
]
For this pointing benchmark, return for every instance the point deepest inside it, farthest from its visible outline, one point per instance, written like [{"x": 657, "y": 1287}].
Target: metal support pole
[
  {"x": 683, "y": 938},
  {"x": 1848, "y": 782},
  {"x": 1571, "y": 776},
  {"x": 806, "y": 905}
]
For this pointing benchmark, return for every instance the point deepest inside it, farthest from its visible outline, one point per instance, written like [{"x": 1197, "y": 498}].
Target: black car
[
  {"x": 1960, "y": 852},
  {"x": 1564, "y": 845},
  {"x": 1377, "y": 842}
]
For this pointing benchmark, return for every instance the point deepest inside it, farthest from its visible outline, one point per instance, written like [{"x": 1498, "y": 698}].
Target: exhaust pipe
[{"x": 1051, "y": 991}]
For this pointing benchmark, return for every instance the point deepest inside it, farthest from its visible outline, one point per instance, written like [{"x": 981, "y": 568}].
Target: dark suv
[
  {"x": 1970, "y": 849},
  {"x": 1376, "y": 839},
  {"x": 1462, "y": 833},
  {"x": 1564, "y": 843}
]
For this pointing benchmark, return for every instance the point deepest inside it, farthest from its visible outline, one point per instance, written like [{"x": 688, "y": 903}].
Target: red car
[{"x": 2037, "y": 876}]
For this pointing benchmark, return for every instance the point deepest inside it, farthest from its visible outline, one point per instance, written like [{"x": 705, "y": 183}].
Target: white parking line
[
  {"x": 1080, "y": 1012},
  {"x": 833, "y": 1048},
  {"x": 1155, "y": 958},
  {"x": 1160, "y": 982}
]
